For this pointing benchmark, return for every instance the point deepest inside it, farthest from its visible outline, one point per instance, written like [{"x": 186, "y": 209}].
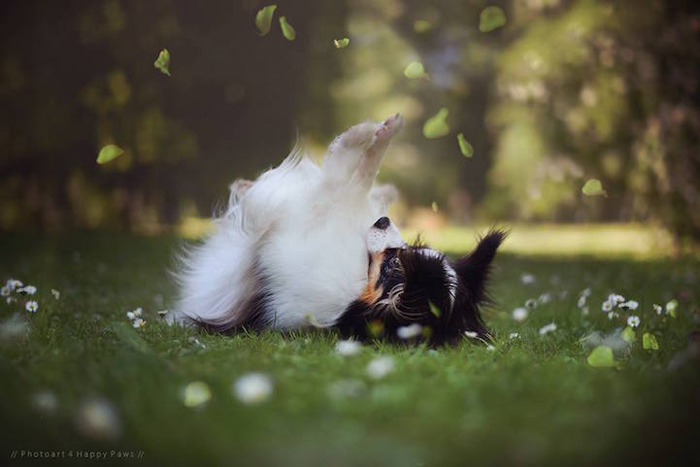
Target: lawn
[{"x": 78, "y": 379}]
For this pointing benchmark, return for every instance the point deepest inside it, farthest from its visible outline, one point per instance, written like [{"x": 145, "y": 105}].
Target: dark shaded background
[{"x": 564, "y": 92}]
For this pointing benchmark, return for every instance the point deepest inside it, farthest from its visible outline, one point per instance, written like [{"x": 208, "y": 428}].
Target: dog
[{"x": 311, "y": 245}]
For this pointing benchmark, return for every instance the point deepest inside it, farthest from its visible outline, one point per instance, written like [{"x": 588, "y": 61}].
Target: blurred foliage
[{"x": 546, "y": 94}]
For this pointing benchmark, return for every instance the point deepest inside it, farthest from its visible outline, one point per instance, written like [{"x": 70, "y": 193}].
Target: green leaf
[
  {"x": 649, "y": 342},
  {"x": 464, "y": 146},
  {"x": 263, "y": 20},
  {"x": 287, "y": 30},
  {"x": 163, "y": 62},
  {"x": 601, "y": 357},
  {"x": 593, "y": 187},
  {"x": 341, "y": 43},
  {"x": 415, "y": 70},
  {"x": 434, "y": 206},
  {"x": 436, "y": 126},
  {"x": 422, "y": 25},
  {"x": 628, "y": 335},
  {"x": 492, "y": 17},
  {"x": 434, "y": 309},
  {"x": 671, "y": 307},
  {"x": 109, "y": 153},
  {"x": 129, "y": 337}
]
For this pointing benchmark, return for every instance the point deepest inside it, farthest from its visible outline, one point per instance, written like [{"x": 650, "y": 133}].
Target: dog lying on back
[{"x": 308, "y": 244}]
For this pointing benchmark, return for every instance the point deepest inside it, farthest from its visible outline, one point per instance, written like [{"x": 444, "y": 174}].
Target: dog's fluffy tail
[{"x": 475, "y": 268}]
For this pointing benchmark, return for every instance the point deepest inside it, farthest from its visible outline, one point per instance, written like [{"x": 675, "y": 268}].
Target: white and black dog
[{"x": 308, "y": 244}]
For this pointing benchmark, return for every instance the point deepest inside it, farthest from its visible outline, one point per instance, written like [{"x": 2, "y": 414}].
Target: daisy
[
  {"x": 527, "y": 279},
  {"x": 630, "y": 305},
  {"x": 348, "y": 348},
  {"x": 633, "y": 321},
  {"x": 613, "y": 314},
  {"x": 56, "y": 294},
  {"x": 586, "y": 292},
  {"x": 380, "y": 367},
  {"x": 5, "y": 291},
  {"x": 544, "y": 298},
  {"x": 520, "y": 314},
  {"x": 13, "y": 284},
  {"x": 410, "y": 331},
  {"x": 582, "y": 301},
  {"x": 514, "y": 335},
  {"x": 138, "y": 323},
  {"x": 607, "y": 305},
  {"x": 28, "y": 289},
  {"x": 531, "y": 303},
  {"x": 551, "y": 327},
  {"x": 31, "y": 306},
  {"x": 658, "y": 309},
  {"x": 616, "y": 298},
  {"x": 253, "y": 388}
]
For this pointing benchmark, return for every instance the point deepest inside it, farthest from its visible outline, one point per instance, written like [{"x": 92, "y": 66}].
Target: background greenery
[{"x": 565, "y": 91}]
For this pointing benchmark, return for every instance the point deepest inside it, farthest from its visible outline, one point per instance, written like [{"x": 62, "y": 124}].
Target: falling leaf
[
  {"x": 593, "y": 187},
  {"x": 436, "y": 126},
  {"x": 196, "y": 393},
  {"x": 263, "y": 20},
  {"x": 601, "y": 357},
  {"x": 287, "y": 30},
  {"x": 628, "y": 335},
  {"x": 163, "y": 62},
  {"x": 434, "y": 309},
  {"x": 464, "y": 146},
  {"x": 341, "y": 43},
  {"x": 649, "y": 342},
  {"x": 422, "y": 25},
  {"x": 492, "y": 17},
  {"x": 109, "y": 153},
  {"x": 434, "y": 206},
  {"x": 415, "y": 70},
  {"x": 671, "y": 307}
]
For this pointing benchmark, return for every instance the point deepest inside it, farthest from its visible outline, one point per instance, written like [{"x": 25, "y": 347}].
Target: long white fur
[{"x": 300, "y": 231}]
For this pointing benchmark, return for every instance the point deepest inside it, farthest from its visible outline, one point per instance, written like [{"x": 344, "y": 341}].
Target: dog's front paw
[
  {"x": 360, "y": 136},
  {"x": 388, "y": 128}
]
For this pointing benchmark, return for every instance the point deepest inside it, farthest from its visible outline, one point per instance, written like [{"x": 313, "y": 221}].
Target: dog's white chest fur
[{"x": 296, "y": 237}]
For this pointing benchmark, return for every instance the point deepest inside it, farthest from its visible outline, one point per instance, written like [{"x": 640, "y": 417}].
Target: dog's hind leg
[{"x": 369, "y": 164}]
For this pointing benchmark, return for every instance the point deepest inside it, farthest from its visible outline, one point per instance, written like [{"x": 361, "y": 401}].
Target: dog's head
[{"x": 410, "y": 284}]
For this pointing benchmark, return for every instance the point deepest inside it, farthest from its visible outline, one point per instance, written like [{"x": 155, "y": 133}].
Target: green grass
[{"x": 529, "y": 401}]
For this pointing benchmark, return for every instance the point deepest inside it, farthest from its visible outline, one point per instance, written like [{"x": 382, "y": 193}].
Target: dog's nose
[{"x": 382, "y": 223}]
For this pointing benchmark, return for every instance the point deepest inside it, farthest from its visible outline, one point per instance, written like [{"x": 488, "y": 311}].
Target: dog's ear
[
  {"x": 424, "y": 278},
  {"x": 473, "y": 269}
]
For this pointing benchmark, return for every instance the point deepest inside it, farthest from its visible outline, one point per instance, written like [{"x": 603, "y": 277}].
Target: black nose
[{"x": 382, "y": 223}]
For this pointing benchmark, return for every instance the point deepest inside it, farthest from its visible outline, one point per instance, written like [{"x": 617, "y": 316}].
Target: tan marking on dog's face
[{"x": 371, "y": 293}]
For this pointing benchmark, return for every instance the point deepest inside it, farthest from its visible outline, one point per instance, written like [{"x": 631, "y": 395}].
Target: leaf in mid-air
[
  {"x": 341, "y": 43},
  {"x": 436, "y": 126},
  {"x": 601, "y": 357},
  {"x": 263, "y": 20},
  {"x": 464, "y": 146},
  {"x": 287, "y": 30},
  {"x": 434, "y": 309},
  {"x": 109, "y": 153},
  {"x": 593, "y": 187},
  {"x": 415, "y": 70},
  {"x": 422, "y": 25},
  {"x": 628, "y": 335},
  {"x": 649, "y": 341},
  {"x": 671, "y": 307},
  {"x": 163, "y": 62},
  {"x": 492, "y": 17},
  {"x": 434, "y": 206}
]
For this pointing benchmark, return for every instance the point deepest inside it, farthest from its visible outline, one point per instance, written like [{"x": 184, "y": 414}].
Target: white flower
[
  {"x": 607, "y": 305},
  {"x": 410, "y": 331},
  {"x": 348, "y": 348},
  {"x": 530, "y": 303},
  {"x": 520, "y": 314},
  {"x": 99, "y": 419},
  {"x": 253, "y": 388},
  {"x": 162, "y": 312},
  {"x": 544, "y": 298},
  {"x": 582, "y": 301},
  {"x": 138, "y": 323},
  {"x": 13, "y": 284},
  {"x": 28, "y": 289},
  {"x": 31, "y": 306},
  {"x": 616, "y": 298},
  {"x": 137, "y": 312},
  {"x": 56, "y": 294},
  {"x": 633, "y": 321},
  {"x": 527, "y": 279},
  {"x": 551, "y": 327},
  {"x": 196, "y": 393},
  {"x": 630, "y": 305},
  {"x": 586, "y": 292},
  {"x": 671, "y": 306},
  {"x": 658, "y": 309},
  {"x": 380, "y": 367},
  {"x": 613, "y": 314},
  {"x": 514, "y": 335},
  {"x": 5, "y": 291}
]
